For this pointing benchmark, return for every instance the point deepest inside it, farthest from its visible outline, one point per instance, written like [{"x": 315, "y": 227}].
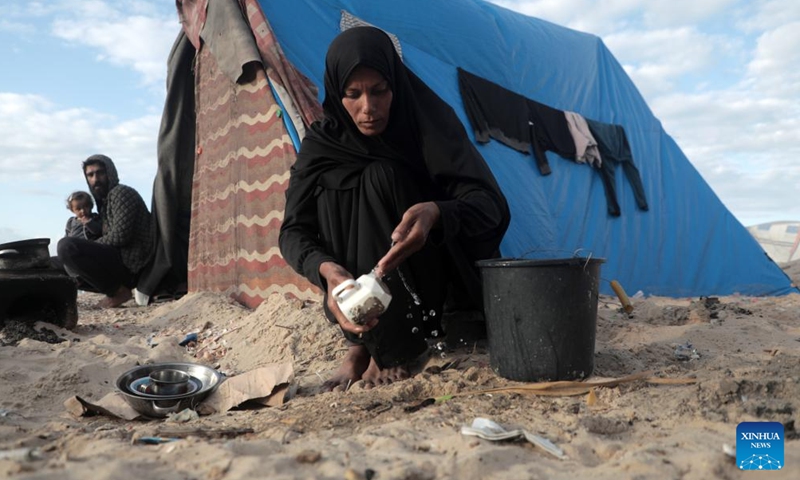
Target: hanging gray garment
[
  {"x": 586, "y": 150},
  {"x": 229, "y": 37}
]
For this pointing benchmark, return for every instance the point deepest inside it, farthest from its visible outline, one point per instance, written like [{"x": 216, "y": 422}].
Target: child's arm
[{"x": 93, "y": 229}]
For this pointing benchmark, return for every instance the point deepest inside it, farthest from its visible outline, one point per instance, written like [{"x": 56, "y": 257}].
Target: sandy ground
[{"x": 745, "y": 358}]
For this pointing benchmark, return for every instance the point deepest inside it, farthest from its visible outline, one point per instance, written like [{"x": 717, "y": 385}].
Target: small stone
[
  {"x": 727, "y": 386},
  {"x": 294, "y": 301},
  {"x": 308, "y": 456},
  {"x": 351, "y": 474}
]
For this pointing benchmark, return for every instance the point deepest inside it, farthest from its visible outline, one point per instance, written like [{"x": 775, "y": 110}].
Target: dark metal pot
[
  {"x": 25, "y": 254},
  {"x": 158, "y": 406}
]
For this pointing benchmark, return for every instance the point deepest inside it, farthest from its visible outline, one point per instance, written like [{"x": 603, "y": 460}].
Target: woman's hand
[
  {"x": 334, "y": 275},
  {"x": 410, "y": 235}
]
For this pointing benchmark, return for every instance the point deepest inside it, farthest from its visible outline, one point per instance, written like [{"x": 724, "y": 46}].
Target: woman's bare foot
[
  {"x": 351, "y": 369},
  {"x": 122, "y": 295},
  {"x": 374, "y": 376}
]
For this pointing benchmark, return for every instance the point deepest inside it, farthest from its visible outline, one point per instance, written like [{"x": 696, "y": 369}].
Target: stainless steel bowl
[{"x": 163, "y": 405}]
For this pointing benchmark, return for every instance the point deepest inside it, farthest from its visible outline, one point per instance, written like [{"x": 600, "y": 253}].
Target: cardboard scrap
[
  {"x": 266, "y": 385},
  {"x": 112, "y": 405},
  {"x": 256, "y": 385}
]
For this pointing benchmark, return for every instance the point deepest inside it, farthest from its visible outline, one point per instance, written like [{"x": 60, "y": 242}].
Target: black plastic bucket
[{"x": 541, "y": 317}]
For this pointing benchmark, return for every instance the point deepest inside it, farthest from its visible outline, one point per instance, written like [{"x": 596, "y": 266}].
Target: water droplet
[
  {"x": 434, "y": 333},
  {"x": 432, "y": 313},
  {"x": 424, "y": 318},
  {"x": 410, "y": 316},
  {"x": 443, "y": 355},
  {"x": 415, "y": 330}
]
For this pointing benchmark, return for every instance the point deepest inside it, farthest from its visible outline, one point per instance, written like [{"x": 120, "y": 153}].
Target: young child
[{"x": 84, "y": 224}]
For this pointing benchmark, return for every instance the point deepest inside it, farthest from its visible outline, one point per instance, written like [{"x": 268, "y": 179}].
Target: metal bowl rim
[
  {"x": 144, "y": 370},
  {"x": 152, "y": 396}
]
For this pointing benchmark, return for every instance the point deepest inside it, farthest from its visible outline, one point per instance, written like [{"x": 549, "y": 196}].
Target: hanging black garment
[
  {"x": 516, "y": 121},
  {"x": 347, "y": 193},
  {"x": 172, "y": 188},
  {"x": 614, "y": 149}
]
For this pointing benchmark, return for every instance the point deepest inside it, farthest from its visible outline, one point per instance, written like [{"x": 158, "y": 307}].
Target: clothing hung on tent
[
  {"x": 521, "y": 123},
  {"x": 614, "y": 148},
  {"x": 586, "y": 150},
  {"x": 501, "y": 114}
]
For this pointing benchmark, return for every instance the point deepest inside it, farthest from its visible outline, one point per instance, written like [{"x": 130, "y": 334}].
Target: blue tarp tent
[{"x": 687, "y": 244}]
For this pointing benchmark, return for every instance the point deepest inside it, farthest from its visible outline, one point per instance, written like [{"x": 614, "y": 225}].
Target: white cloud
[
  {"x": 16, "y": 28},
  {"x": 135, "y": 34},
  {"x": 39, "y": 9},
  {"x": 141, "y": 43},
  {"x": 743, "y": 144},
  {"x": 767, "y": 15},
  {"x": 42, "y": 141},
  {"x": 714, "y": 123},
  {"x": 605, "y": 16},
  {"x": 656, "y": 59},
  {"x": 774, "y": 68},
  {"x": 584, "y": 15},
  {"x": 660, "y": 13}
]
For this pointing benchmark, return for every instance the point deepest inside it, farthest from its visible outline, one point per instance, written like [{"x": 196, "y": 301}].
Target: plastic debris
[
  {"x": 489, "y": 430},
  {"x": 21, "y": 454},
  {"x": 729, "y": 450},
  {"x": 185, "y": 415},
  {"x": 686, "y": 352},
  {"x": 142, "y": 299},
  {"x": 192, "y": 337},
  {"x": 155, "y": 440}
]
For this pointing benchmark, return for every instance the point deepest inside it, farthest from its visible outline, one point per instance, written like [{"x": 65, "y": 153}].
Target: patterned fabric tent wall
[{"x": 242, "y": 163}]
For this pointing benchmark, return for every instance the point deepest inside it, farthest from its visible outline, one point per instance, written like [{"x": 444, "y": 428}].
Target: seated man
[{"x": 110, "y": 264}]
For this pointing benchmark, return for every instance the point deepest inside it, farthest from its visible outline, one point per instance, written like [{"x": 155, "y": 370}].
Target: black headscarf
[
  {"x": 423, "y": 130},
  {"x": 334, "y": 151}
]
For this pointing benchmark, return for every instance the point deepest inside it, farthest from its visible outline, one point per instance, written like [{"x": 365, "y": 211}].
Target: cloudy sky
[{"x": 87, "y": 76}]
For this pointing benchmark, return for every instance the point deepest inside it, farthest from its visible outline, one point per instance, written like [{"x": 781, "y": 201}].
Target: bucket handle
[{"x": 575, "y": 254}]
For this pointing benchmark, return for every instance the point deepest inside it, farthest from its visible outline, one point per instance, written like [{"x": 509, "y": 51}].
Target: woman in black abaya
[{"x": 389, "y": 180}]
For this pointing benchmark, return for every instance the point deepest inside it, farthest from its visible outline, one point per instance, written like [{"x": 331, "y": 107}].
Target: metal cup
[{"x": 169, "y": 382}]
